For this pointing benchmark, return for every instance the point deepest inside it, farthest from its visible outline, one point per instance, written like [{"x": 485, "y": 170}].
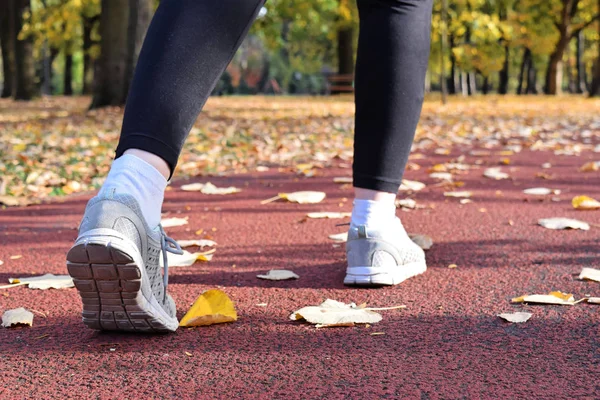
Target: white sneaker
[{"x": 382, "y": 257}]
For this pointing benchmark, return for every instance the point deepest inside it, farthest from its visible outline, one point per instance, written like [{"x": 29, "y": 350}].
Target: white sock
[
  {"x": 134, "y": 176},
  {"x": 373, "y": 214}
]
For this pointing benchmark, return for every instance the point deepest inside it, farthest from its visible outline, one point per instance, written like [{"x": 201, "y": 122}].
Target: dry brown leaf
[
  {"x": 209, "y": 188},
  {"x": 278, "y": 275},
  {"x": 43, "y": 282},
  {"x": 406, "y": 203},
  {"x": 332, "y": 312},
  {"x": 172, "y": 222},
  {"x": 415, "y": 186},
  {"x": 342, "y": 179},
  {"x": 16, "y": 317},
  {"x": 328, "y": 214},
  {"x": 550, "y": 298},
  {"x": 517, "y": 317},
  {"x": 211, "y": 307},
  {"x": 197, "y": 242},
  {"x": 591, "y": 166},
  {"x": 339, "y": 237},
  {"x": 540, "y": 191},
  {"x": 590, "y": 274},
  {"x": 495, "y": 173},
  {"x": 563, "y": 223},
  {"x": 463, "y": 194}
]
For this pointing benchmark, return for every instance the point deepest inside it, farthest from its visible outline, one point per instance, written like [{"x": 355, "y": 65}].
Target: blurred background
[{"x": 66, "y": 47}]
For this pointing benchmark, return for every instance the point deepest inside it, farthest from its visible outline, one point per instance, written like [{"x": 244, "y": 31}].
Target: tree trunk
[
  {"x": 552, "y": 84},
  {"x": 345, "y": 51},
  {"x": 453, "y": 78},
  {"x": 443, "y": 45},
  {"x": 25, "y": 88},
  {"x": 524, "y": 67},
  {"x": 140, "y": 15},
  {"x": 68, "y": 75},
  {"x": 485, "y": 88},
  {"x": 6, "y": 42},
  {"x": 504, "y": 73},
  {"x": 464, "y": 86},
  {"x": 472, "y": 83},
  {"x": 531, "y": 79},
  {"x": 581, "y": 86},
  {"x": 109, "y": 81},
  {"x": 88, "y": 68}
]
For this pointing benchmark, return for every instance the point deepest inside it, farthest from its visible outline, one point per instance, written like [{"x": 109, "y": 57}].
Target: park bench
[{"x": 340, "y": 83}]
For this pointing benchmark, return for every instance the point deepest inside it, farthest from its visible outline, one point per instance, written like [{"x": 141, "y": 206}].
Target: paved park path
[{"x": 447, "y": 343}]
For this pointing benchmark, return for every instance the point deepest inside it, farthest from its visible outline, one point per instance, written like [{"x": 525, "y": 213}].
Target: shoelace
[{"x": 167, "y": 245}]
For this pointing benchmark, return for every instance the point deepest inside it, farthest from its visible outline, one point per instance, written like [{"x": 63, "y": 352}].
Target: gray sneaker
[
  {"x": 382, "y": 257},
  {"x": 115, "y": 266}
]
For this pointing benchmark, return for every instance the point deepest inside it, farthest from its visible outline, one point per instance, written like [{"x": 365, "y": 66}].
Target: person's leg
[
  {"x": 116, "y": 259},
  {"x": 393, "y": 52}
]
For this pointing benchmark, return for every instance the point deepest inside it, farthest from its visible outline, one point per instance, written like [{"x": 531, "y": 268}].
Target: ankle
[{"x": 152, "y": 159}]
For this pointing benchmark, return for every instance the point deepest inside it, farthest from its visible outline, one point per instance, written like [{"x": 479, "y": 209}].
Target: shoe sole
[
  {"x": 114, "y": 289},
  {"x": 382, "y": 276}
]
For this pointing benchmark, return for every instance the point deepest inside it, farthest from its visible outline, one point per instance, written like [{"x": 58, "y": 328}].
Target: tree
[
  {"x": 595, "y": 87},
  {"x": 122, "y": 30},
  {"x": 569, "y": 22},
  {"x": 25, "y": 87},
  {"x": 6, "y": 42}
]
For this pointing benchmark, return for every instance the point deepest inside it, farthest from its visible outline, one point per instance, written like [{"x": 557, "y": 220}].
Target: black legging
[{"x": 190, "y": 42}]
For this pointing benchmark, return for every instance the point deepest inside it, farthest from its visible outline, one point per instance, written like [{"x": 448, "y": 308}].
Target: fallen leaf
[
  {"x": 540, "y": 191},
  {"x": 197, "y": 242},
  {"x": 16, "y": 257},
  {"x": 516, "y": 317},
  {"x": 495, "y": 173},
  {"x": 209, "y": 188},
  {"x": 451, "y": 266},
  {"x": 550, "y": 298},
  {"x": 585, "y": 203},
  {"x": 211, "y": 307},
  {"x": 342, "y": 179},
  {"x": 187, "y": 353},
  {"x": 563, "y": 223},
  {"x": 18, "y": 316},
  {"x": 339, "y": 237},
  {"x": 377, "y": 333},
  {"x": 463, "y": 194},
  {"x": 186, "y": 259},
  {"x": 443, "y": 176},
  {"x": 423, "y": 241},
  {"x": 406, "y": 203},
  {"x": 303, "y": 197},
  {"x": 593, "y": 300},
  {"x": 328, "y": 214},
  {"x": 332, "y": 312},
  {"x": 278, "y": 275},
  {"x": 175, "y": 221},
  {"x": 591, "y": 166},
  {"x": 411, "y": 185},
  {"x": 43, "y": 282},
  {"x": 590, "y": 274},
  {"x": 465, "y": 201}
]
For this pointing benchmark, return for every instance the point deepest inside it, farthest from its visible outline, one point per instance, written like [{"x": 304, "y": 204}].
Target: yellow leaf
[
  {"x": 590, "y": 167},
  {"x": 585, "y": 203},
  {"x": 211, "y": 307}
]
